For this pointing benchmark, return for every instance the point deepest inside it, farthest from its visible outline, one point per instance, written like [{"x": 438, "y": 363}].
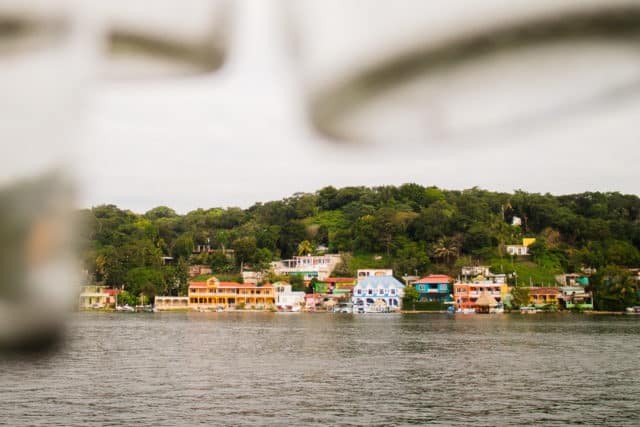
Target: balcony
[{"x": 230, "y": 294}]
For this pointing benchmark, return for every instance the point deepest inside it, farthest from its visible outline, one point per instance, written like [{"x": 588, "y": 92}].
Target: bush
[{"x": 430, "y": 306}]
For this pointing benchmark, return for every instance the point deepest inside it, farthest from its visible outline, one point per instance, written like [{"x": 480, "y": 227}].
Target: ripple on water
[{"x": 266, "y": 369}]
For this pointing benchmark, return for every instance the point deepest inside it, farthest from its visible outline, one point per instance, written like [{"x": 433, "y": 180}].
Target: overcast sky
[{"x": 239, "y": 136}]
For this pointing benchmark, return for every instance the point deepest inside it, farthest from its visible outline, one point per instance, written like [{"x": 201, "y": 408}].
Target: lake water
[{"x": 324, "y": 369}]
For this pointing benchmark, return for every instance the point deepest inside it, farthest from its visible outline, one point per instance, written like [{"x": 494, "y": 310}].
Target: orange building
[
  {"x": 216, "y": 294},
  {"x": 465, "y": 294}
]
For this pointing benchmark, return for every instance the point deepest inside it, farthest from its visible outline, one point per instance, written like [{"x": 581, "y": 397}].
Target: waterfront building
[
  {"x": 575, "y": 297},
  {"x": 540, "y": 297},
  {"x": 213, "y": 294},
  {"x": 286, "y": 298},
  {"x": 164, "y": 303},
  {"x": 521, "y": 250},
  {"x": 309, "y": 267},
  {"x": 313, "y": 302},
  {"x": 435, "y": 288},
  {"x": 335, "y": 286},
  {"x": 465, "y": 294},
  {"x": 97, "y": 296},
  {"x": 378, "y": 292}
]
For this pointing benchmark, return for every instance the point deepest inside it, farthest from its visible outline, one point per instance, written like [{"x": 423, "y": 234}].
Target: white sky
[{"x": 239, "y": 136}]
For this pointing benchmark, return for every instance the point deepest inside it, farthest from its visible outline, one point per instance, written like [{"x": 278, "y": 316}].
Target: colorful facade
[
  {"x": 465, "y": 294},
  {"x": 335, "y": 286},
  {"x": 541, "y": 297},
  {"x": 435, "y": 288},
  {"x": 378, "y": 293},
  {"x": 213, "y": 294},
  {"x": 96, "y": 296},
  {"x": 575, "y": 297}
]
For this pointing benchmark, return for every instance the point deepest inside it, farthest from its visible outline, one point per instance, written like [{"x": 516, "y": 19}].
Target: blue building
[
  {"x": 378, "y": 294},
  {"x": 435, "y": 288}
]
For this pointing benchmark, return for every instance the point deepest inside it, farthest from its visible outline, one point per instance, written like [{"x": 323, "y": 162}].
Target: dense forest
[{"x": 410, "y": 228}]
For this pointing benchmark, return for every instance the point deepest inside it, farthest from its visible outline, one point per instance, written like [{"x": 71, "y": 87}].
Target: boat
[
  {"x": 633, "y": 310},
  {"x": 528, "y": 310},
  {"x": 465, "y": 311},
  {"x": 498, "y": 309},
  {"x": 343, "y": 307},
  {"x": 125, "y": 308}
]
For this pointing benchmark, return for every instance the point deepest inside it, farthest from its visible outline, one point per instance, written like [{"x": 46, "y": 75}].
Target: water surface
[{"x": 322, "y": 369}]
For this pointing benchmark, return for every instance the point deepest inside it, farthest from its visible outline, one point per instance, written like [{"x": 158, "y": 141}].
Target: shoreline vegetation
[{"x": 412, "y": 229}]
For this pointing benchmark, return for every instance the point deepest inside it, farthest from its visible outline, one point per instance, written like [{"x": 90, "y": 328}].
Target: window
[
  {"x": 359, "y": 292},
  {"x": 369, "y": 291},
  {"x": 381, "y": 291},
  {"x": 393, "y": 291}
]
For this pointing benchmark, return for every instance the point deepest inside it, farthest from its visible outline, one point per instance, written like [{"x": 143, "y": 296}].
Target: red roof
[
  {"x": 197, "y": 284},
  {"x": 111, "y": 291},
  {"x": 435, "y": 278},
  {"x": 339, "y": 279}
]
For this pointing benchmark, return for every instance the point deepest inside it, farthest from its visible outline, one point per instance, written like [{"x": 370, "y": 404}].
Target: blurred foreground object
[
  {"x": 43, "y": 72},
  {"x": 415, "y": 71},
  {"x": 164, "y": 38}
]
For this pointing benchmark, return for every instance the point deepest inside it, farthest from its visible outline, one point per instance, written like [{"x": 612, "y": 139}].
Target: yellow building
[
  {"x": 540, "y": 297},
  {"x": 214, "y": 293}
]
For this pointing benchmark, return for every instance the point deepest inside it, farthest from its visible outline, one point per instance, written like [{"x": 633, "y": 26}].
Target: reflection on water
[{"x": 275, "y": 369}]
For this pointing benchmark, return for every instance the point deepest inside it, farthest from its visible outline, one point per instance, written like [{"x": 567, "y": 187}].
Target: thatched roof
[{"x": 486, "y": 300}]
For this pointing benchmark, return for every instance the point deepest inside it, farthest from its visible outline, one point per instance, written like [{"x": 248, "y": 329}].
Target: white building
[
  {"x": 368, "y": 272},
  {"x": 378, "y": 293},
  {"x": 521, "y": 250},
  {"x": 171, "y": 303},
  {"x": 287, "y": 299},
  {"x": 517, "y": 250},
  {"x": 471, "y": 272},
  {"x": 319, "y": 266}
]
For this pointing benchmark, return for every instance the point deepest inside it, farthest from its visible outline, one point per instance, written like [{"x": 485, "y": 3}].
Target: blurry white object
[
  {"x": 45, "y": 55},
  {"x": 419, "y": 71},
  {"x": 163, "y": 38}
]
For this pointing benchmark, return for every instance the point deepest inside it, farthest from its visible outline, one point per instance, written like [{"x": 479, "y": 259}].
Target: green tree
[
  {"x": 305, "y": 247},
  {"x": 297, "y": 283},
  {"x": 245, "y": 250},
  {"x": 410, "y": 297},
  {"x": 446, "y": 249},
  {"x": 520, "y": 296}
]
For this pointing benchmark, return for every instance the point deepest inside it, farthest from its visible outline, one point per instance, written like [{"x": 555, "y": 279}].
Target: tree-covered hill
[{"x": 410, "y": 228}]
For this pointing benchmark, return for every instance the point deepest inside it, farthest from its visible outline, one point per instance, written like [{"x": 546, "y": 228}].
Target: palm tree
[
  {"x": 305, "y": 247},
  {"x": 447, "y": 249}
]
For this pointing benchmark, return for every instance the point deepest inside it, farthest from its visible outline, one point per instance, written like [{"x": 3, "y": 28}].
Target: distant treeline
[{"x": 410, "y": 228}]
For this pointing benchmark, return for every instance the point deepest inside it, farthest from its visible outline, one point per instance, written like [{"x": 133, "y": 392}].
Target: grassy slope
[{"x": 528, "y": 271}]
